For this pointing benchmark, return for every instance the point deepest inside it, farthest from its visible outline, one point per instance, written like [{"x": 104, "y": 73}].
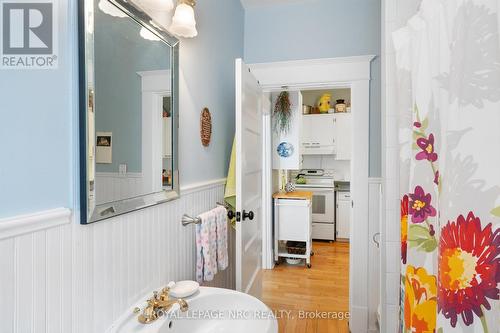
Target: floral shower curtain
[{"x": 448, "y": 61}]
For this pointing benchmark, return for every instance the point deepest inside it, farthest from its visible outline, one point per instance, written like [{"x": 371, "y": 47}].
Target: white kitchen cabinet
[
  {"x": 343, "y": 135},
  {"x": 317, "y": 136},
  {"x": 292, "y": 222},
  {"x": 343, "y": 218}
]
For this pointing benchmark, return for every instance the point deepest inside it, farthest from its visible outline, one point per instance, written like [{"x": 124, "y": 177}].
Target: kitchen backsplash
[{"x": 342, "y": 168}]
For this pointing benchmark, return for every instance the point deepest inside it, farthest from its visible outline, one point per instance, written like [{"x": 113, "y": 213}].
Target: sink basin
[{"x": 210, "y": 310}]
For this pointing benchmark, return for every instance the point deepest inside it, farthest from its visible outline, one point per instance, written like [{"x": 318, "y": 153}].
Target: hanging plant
[{"x": 282, "y": 113}]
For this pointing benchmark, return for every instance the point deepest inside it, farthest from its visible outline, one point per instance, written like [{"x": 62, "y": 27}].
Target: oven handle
[{"x": 318, "y": 190}]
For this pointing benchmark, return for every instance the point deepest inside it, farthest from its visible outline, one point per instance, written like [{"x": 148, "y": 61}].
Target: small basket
[
  {"x": 205, "y": 127},
  {"x": 293, "y": 247}
]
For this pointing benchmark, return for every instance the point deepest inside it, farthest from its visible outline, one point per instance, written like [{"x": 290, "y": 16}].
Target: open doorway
[
  {"x": 256, "y": 85},
  {"x": 311, "y": 208}
]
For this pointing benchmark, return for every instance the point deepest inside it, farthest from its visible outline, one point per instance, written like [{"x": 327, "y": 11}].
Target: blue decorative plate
[{"x": 285, "y": 149}]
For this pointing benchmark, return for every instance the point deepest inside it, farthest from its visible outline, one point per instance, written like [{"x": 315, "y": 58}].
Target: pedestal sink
[{"x": 210, "y": 310}]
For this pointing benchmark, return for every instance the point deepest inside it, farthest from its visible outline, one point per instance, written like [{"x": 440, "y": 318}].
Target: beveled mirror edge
[{"x": 143, "y": 19}]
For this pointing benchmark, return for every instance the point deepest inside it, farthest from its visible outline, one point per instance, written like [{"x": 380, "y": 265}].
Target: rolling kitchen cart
[{"x": 292, "y": 222}]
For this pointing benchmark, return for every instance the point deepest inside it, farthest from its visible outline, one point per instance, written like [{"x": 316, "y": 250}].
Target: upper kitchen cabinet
[
  {"x": 342, "y": 134},
  {"x": 318, "y": 136},
  {"x": 326, "y": 123}
]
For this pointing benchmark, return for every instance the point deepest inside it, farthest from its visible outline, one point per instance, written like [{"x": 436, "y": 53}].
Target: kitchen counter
[{"x": 300, "y": 195}]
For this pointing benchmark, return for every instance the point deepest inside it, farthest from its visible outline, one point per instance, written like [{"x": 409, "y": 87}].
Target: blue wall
[
  {"x": 38, "y": 108},
  {"x": 118, "y": 101},
  {"x": 36, "y": 129},
  {"x": 207, "y": 80},
  {"x": 321, "y": 29}
]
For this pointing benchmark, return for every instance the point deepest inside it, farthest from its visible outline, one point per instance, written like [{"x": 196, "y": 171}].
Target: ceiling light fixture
[{"x": 183, "y": 22}]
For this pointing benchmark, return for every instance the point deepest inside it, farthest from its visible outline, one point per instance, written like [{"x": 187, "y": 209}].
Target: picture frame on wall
[{"x": 104, "y": 147}]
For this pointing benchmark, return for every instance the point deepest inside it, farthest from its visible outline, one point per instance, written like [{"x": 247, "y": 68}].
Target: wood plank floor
[{"x": 294, "y": 290}]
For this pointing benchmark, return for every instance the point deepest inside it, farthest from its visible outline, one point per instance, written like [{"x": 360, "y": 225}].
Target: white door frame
[
  {"x": 353, "y": 72},
  {"x": 154, "y": 86}
]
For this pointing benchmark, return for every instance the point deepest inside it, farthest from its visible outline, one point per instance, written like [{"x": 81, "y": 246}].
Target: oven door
[{"x": 323, "y": 204}]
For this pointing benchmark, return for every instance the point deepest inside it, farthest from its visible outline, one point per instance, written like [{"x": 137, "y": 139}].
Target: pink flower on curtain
[
  {"x": 427, "y": 146},
  {"x": 420, "y": 207},
  {"x": 469, "y": 269}
]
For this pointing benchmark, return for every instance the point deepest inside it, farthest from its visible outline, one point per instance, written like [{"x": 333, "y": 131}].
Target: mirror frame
[{"x": 86, "y": 101}]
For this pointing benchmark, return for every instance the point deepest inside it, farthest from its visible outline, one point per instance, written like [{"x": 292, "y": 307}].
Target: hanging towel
[
  {"x": 206, "y": 247},
  {"x": 230, "y": 192},
  {"x": 221, "y": 220}
]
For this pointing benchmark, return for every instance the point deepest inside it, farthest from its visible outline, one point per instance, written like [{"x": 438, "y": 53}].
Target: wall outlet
[{"x": 122, "y": 169}]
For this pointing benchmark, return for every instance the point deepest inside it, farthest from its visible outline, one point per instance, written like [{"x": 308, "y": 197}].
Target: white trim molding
[
  {"x": 375, "y": 180},
  {"x": 190, "y": 188},
  {"x": 28, "y": 223},
  {"x": 313, "y": 73}
]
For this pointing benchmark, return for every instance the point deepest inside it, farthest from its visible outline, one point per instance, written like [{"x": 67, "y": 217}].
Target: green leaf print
[
  {"x": 424, "y": 124},
  {"x": 420, "y": 238},
  {"x": 496, "y": 211}
]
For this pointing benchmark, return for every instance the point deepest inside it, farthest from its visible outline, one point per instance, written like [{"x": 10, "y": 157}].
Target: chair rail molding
[
  {"x": 190, "y": 188},
  {"x": 28, "y": 223}
]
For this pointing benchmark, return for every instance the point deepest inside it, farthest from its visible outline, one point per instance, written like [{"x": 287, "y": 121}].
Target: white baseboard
[
  {"x": 27, "y": 223},
  {"x": 359, "y": 325}
]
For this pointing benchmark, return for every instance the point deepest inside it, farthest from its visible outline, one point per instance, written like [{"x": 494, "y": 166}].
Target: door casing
[{"x": 314, "y": 74}]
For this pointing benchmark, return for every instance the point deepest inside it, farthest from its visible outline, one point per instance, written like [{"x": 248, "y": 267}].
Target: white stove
[
  {"x": 316, "y": 178},
  {"x": 322, "y": 184}
]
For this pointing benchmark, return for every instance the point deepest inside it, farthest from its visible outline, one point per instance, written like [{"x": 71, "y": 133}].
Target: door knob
[
  {"x": 376, "y": 239},
  {"x": 230, "y": 214},
  {"x": 248, "y": 215}
]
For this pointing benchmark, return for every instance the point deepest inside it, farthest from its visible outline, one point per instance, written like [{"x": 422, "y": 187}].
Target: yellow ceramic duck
[{"x": 324, "y": 103}]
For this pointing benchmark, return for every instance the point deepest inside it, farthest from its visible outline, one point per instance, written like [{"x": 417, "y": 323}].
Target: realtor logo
[{"x": 29, "y": 36}]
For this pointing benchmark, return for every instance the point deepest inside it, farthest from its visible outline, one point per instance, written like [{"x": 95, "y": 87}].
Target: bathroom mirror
[{"x": 128, "y": 110}]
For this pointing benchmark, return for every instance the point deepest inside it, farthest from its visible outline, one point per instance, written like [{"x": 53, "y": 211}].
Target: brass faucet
[{"x": 158, "y": 305}]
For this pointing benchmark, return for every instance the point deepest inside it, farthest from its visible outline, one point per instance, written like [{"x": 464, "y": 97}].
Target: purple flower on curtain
[
  {"x": 420, "y": 207},
  {"x": 427, "y": 146}
]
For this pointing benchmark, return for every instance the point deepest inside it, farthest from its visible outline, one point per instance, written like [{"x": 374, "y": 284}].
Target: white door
[{"x": 249, "y": 167}]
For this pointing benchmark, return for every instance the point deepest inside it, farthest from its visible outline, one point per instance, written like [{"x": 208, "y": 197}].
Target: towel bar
[{"x": 186, "y": 220}]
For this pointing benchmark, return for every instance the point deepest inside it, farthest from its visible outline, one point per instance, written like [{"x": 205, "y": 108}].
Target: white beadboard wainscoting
[
  {"x": 81, "y": 278},
  {"x": 112, "y": 186}
]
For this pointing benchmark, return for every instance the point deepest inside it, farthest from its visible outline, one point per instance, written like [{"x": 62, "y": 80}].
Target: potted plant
[{"x": 282, "y": 113}]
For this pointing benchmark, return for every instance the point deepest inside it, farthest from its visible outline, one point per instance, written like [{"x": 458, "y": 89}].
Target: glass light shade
[
  {"x": 163, "y": 5},
  {"x": 108, "y": 8},
  {"x": 146, "y": 34},
  {"x": 183, "y": 22},
  {"x": 164, "y": 18}
]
